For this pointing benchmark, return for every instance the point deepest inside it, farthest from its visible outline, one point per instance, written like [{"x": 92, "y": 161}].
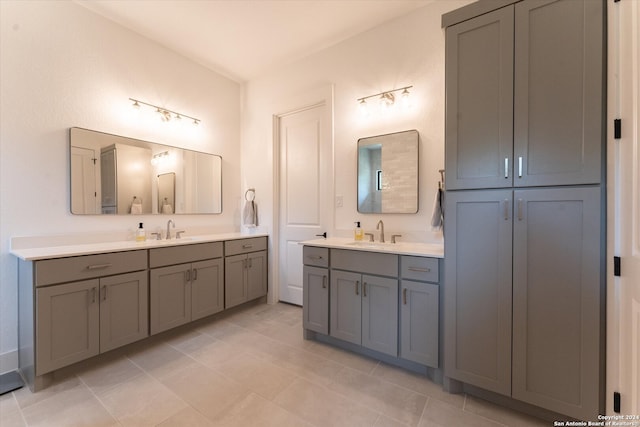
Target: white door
[
  {"x": 305, "y": 179},
  {"x": 623, "y": 328},
  {"x": 84, "y": 192}
]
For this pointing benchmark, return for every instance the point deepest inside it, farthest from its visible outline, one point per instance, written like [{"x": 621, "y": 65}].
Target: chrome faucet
[
  {"x": 380, "y": 227},
  {"x": 170, "y": 222}
]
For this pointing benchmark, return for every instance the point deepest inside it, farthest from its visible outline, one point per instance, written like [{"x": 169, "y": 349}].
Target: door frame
[{"x": 312, "y": 98}]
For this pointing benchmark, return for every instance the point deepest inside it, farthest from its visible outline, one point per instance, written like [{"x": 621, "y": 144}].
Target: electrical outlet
[{"x": 339, "y": 201}]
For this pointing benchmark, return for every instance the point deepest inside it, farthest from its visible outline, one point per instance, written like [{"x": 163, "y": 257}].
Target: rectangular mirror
[
  {"x": 388, "y": 173},
  {"x": 113, "y": 174}
]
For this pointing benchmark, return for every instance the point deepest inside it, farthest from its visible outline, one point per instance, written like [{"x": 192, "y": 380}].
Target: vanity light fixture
[
  {"x": 387, "y": 98},
  {"x": 165, "y": 113}
]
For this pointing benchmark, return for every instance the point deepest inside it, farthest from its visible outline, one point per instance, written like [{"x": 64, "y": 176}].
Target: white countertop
[
  {"x": 68, "y": 250},
  {"x": 433, "y": 250}
]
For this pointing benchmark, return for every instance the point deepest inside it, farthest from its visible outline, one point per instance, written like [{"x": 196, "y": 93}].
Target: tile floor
[{"x": 248, "y": 368}]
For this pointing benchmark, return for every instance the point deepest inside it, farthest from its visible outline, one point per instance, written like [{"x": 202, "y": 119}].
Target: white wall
[
  {"x": 406, "y": 51},
  {"x": 63, "y": 66}
]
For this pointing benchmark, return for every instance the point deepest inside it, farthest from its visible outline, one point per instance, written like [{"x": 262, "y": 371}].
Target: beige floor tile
[
  {"x": 500, "y": 414},
  {"x": 323, "y": 407},
  {"x": 10, "y": 414},
  {"x": 143, "y": 401},
  {"x": 109, "y": 373},
  {"x": 254, "y": 410},
  {"x": 389, "y": 399},
  {"x": 188, "y": 417},
  {"x": 384, "y": 421},
  {"x": 26, "y": 398},
  {"x": 416, "y": 382},
  {"x": 441, "y": 413},
  {"x": 160, "y": 360},
  {"x": 351, "y": 360},
  {"x": 258, "y": 375},
  {"x": 216, "y": 352},
  {"x": 207, "y": 391},
  {"x": 73, "y": 407}
]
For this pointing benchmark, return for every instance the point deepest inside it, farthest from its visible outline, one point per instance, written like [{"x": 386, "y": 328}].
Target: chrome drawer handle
[
  {"x": 247, "y": 246},
  {"x": 420, "y": 270},
  {"x": 314, "y": 256},
  {"x": 98, "y": 266}
]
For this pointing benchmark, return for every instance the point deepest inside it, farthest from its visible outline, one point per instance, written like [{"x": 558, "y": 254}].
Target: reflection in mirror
[
  {"x": 139, "y": 177},
  {"x": 388, "y": 173}
]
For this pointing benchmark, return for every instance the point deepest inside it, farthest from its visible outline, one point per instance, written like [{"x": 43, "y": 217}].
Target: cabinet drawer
[
  {"x": 419, "y": 268},
  {"x": 243, "y": 246},
  {"x": 62, "y": 270},
  {"x": 172, "y": 255},
  {"x": 369, "y": 262},
  {"x": 315, "y": 256}
]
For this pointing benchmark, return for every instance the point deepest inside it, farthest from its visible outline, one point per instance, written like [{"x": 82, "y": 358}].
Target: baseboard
[{"x": 8, "y": 361}]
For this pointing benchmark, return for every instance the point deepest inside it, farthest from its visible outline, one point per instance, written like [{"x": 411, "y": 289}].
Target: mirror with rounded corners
[
  {"x": 388, "y": 173},
  {"x": 116, "y": 175}
]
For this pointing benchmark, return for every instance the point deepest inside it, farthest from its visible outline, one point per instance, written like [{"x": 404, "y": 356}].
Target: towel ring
[{"x": 253, "y": 195}]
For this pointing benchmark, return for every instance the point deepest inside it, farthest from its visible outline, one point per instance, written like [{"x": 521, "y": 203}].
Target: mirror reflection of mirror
[
  {"x": 140, "y": 177},
  {"x": 388, "y": 173}
]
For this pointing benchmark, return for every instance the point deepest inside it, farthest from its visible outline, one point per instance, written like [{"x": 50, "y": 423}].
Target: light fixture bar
[
  {"x": 165, "y": 112},
  {"x": 384, "y": 93}
]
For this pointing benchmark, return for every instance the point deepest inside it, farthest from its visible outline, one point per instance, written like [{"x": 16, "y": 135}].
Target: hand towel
[
  {"x": 136, "y": 207},
  {"x": 437, "y": 218},
  {"x": 250, "y": 214},
  {"x": 167, "y": 208}
]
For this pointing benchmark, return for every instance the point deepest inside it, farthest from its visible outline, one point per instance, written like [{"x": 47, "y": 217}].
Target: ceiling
[{"x": 243, "y": 39}]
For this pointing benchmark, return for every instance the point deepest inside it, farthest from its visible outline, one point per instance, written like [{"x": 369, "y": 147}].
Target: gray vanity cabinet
[
  {"x": 315, "y": 290},
  {"x": 525, "y": 96},
  {"x": 76, "y": 319},
  {"x": 245, "y": 270},
  {"x": 185, "y": 291},
  {"x": 478, "y": 288},
  {"x": 419, "y": 310},
  {"x": 364, "y": 307}
]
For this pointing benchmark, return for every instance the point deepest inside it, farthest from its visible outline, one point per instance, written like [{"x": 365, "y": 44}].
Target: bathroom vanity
[
  {"x": 80, "y": 300},
  {"x": 377, "y": 299}
]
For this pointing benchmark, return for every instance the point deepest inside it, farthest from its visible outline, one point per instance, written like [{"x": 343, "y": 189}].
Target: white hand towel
[
  {"x": 167, "y": 208},
  {"x": 136, "y": 208},
  {"x": 250, "y": 214},
  {"x": 437, "y": 218}
]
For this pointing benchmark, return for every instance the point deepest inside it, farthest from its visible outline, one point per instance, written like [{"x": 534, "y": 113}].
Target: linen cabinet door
[
  {"x": 556, "y": 295},
  {"x": 346, "y": 308},
  {"x": 559, "y": 92},
  {"x": 170, "y": 297},
  {"x": 479, "y": 102},
  {"x": 380, "y": 314},
  {"x": 123, "y": 310},
  {"x": 67, "y": 324},
  {"x": 207, "y": 288},
  {"x": 315, "y": 306},
  {"x": 478, "y": 288},
  {"x": 419, "y": 319}
]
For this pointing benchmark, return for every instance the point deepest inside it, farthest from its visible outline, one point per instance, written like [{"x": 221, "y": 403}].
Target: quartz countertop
[
  {"x": 434, "y": 250},
  {"x": 68, "y": 250}
]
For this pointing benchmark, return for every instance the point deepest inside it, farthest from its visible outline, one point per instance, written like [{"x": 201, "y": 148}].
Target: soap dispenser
[
  {"x": 141, "y": 235},
  {"x": 358, "y": 233}
]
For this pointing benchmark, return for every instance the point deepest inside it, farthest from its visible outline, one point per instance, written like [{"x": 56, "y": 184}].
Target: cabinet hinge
[
  {"x": 616, "y": 402},
  {"x": 617, "y": 128},
  {"x": 616, "y": 266}
]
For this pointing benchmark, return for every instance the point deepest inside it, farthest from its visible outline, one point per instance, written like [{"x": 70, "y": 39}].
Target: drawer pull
[
  {"x": 364, "y": 288},
  {"x": 247, "y": 246},
  {"x": 420, "y": 270},
  {"x": 315, "y": 257},
  {"x": 324, "y": 282},
  {"x": 99, "y": 266},
  {"x": 187, "y": 276},
  {"x": 195, "y": 274},
  {"x": 104, "y": 293},
  {"x": 357, "y": 285},
  {"x": 404, "y": 296}
]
